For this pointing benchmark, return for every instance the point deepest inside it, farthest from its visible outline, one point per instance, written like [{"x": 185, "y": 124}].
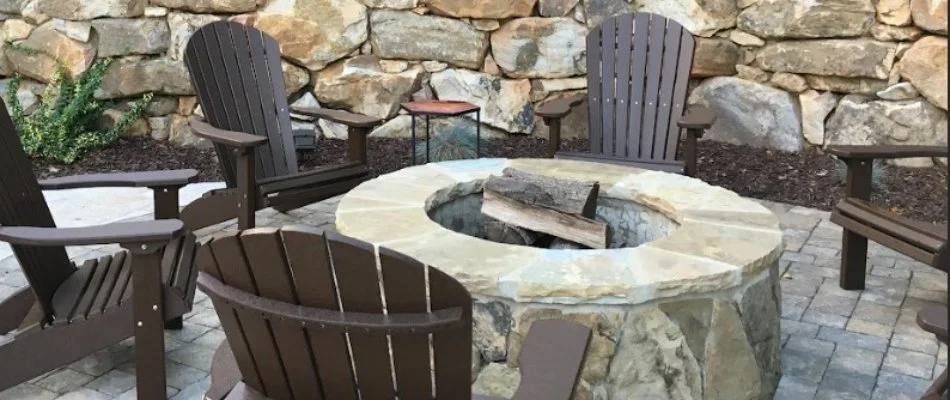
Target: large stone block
[
  {"x": 925, "y": 66},
  {"x": 815, "y": 109},
  {"x": 540, "y": 48},
  {"x": 730, "y": 371},
  {"x": 839, "y": 84},
  {"x": 654, "y": 347},
  {"x": 930, "y": 15},
  {"x": 360, "y": 85},
  {"x": 836, "y": 57},
  {"x": 295, "y": 78},
  {"x": 751, "y": 113},
  {"x": 858, "y": 120},
  {"x": 894, "y": 12},
  {"x": 505, "y": 103},
  {"x": 54, "y": 48},
  {"x": 808, "y": 19},
  {"x": 182, "y": 26},
  {"x": 131, "y": 77},
  {"x": 89, "y": 9},
  {"x": 315, "y": 33},
  {"x": 211, "y": 6},
  {"x": 495, "y": 9},
  {"x": 119, "y": 37},
  {"x": 492, "y": 323},
  {"x": 714, "y": 57},
  {"x": 407, "y": 35},
  {"x": 556, "y": 8},
  {"x": 701, "y": 17}
]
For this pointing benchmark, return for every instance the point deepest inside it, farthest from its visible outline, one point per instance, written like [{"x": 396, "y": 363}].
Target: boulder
[
  {"x": 541, "y": 88},
  {"x": 181, "y": 27},
  {"x": 751, "y": 113},
  {"x": 845, "y": 85},
  {"x": 486, "y": 25},
  {"x": 836, "y": 57},
  {"x": 745, "y": 39},
  {"x": 808, "y": 19},
  {"x": 295, "y": 78},
  {"x": 360, "y": 85},
  {"x": 210, "y": 6},
  {"x": 181, "y": 134},
  {"x": 131, "y": 77},
  {"x": 315, "y": 33},
  {"x": 930, "y": 15},
  {"x": 597, "y": 11},
  {"x": 556, "y": 8},
  {"x": 900, "y": 91},
  {"x": 789, "y": 82},
  {"x": 76, "y": 30},
  {"x": 89, "y": 9},
  {"x": 494, "y": 9},
  {"x": 859, "y": 120},
  {"x": 76, "y": 56},
  {"x": 815, "y": 110},
  {"x": 540, "y": 48},
  {"x": 888, "y": 33},
  {"x": 925, "y": 66},
  {"x": 492, "y": 323},
  {"x": 714, "y": 57},
  {"x": 155, "y": 12},
  {"x": 28, "y": 94},
  {"x": 119, "y": 37},
  {"x": 654, "y": 346},
  {"x": 894, "y": 12},
  {"x": 701, "y": 17},
  {"x": 32, "y": 14},
  {"x": 730, "y": 371},
  {"x": 752, "y": 74},
  {"x": 160, "y": 128},
  {"x": 497, "y": 380},
  {"x": 15, "y": 30},
  {"x": 112, "y": 116},
  {"x": 407, "y": 35},
  {"x": 11, "y": 6},
  {"x": 391, "y": 4},
  {"x": 505, "y": 103}
]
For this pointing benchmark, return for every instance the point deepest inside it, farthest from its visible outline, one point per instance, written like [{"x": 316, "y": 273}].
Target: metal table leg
[
  {"x": 412, "y": 146},
  {"x": 427, "y": 138},
  {"x": 478, "y": 133}
]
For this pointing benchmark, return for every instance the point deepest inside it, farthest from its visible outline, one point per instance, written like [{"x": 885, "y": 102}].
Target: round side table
[{"x": 442, "y": 108}]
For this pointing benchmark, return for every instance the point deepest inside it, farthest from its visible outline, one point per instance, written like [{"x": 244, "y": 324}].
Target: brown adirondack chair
[
  {"x": 934, "y": 320},
  {"x": 638, "y": 69},
  {"x": 235, "y": 69},
  {"x": 861, "y": 221},
  {"x": 69, "y": 311},
  {"x": 303, "y": 315}
]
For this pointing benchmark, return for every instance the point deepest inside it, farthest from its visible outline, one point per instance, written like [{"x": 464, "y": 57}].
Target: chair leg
[
  {"x": 175, "y": 324},
  {"x": 854, "y": 258}
]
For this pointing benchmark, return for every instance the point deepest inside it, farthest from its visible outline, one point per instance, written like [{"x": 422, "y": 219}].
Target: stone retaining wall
[{"x": 784, "y": 74}]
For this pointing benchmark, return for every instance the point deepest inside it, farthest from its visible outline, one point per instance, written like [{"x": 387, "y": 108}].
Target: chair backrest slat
[
  {"x": 22, "y": 204},
  {"x": 404, "y": 283},
  {"x": 309, "y": 259},
  {"x": 622, "y": 107},
  {"x": 332, "y": 272},
  {"x": 358, "y": 282},
  {"x": 637, "y": 85},
  {"x": 237, "y": 74},
  {"x": 594, "y": 81},
  {"x": 453, "y": 349}
]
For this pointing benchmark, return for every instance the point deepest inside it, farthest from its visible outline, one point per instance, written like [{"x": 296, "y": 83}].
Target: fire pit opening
[{"x": 521, "y": 208}]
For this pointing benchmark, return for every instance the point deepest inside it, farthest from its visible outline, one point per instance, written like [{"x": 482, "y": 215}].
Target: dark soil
[{"x": 807, "y": 178}]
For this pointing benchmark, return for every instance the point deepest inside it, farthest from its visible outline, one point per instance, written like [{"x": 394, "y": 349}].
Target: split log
[
  {"x": 558, "y": 207},
  {"x": 564, "y": 195},
  {"x": 501, "y": 232}
]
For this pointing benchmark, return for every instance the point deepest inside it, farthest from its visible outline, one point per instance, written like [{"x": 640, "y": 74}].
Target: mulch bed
[{"x": 807, "y": 178}]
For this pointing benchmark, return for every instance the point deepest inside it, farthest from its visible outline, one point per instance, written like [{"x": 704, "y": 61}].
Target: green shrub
[
  {"x": 64, "y": 126},
  {"x": 457, "y": 143}
]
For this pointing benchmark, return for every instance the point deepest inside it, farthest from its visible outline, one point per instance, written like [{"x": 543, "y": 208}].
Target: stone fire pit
[{"x": 685, "y": 305}]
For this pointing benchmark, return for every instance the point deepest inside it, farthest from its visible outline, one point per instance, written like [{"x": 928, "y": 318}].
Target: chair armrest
[
  {"x": 934, "y": 320},
  {"x": 228, "y": 138},
  {"x": 128, "y": 232},
  {"x": 886, "y": 152},
  {"x": 559, "y": 108},
  {"x": 149, "y": 179},
  {"x": 342, "y": 117},
  {"x": 551, "y": 359},
  {"x": 697, "y": 118}
]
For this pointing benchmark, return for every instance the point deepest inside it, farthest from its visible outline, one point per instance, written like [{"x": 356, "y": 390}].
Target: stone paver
[{"x": 838, "y": 344}]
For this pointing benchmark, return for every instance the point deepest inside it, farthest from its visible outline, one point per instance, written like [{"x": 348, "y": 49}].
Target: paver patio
[{"x": 836, "y": 344}]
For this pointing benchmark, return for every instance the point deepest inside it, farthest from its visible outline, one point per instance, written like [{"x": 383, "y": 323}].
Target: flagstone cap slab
[{"x": 722, "y": 240}]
